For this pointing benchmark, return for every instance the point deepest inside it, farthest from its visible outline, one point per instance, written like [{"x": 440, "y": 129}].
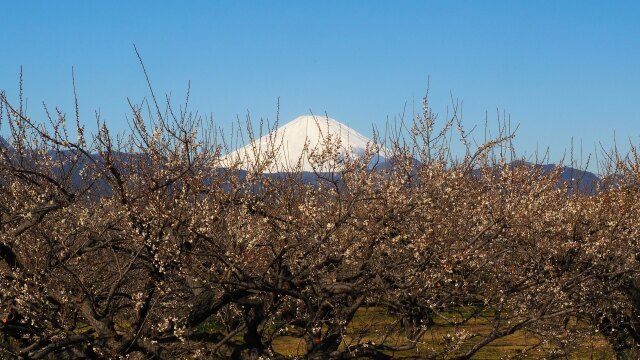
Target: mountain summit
[{"x": 295, "y": 141}]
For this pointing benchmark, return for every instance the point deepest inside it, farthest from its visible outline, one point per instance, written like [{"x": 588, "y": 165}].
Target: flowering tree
[{"x": 149, "y": 245}]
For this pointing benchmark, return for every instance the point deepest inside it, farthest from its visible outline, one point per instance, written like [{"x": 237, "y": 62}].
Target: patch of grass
[
  {"x": 289, "y": 346},
  {"x": 371, "y": 324}
]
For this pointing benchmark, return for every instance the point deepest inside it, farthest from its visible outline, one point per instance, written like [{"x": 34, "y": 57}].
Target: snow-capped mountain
[{"x": 295, "y": 141}]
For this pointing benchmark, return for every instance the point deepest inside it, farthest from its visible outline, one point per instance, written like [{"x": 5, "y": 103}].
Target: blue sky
[{"x": 561, "y": 69}]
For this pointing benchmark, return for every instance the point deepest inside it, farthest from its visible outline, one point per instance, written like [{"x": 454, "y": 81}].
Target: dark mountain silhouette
[
  {"x": 575, "y": 180},
  {"x": 4, "y": 144}
]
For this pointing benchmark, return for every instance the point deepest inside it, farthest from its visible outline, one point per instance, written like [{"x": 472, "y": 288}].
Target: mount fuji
[{"x": 295, "y": 141}]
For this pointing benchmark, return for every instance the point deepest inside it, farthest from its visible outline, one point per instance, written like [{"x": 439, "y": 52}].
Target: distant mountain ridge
[
  {"x": 575, "y": 180},
  {"x": 4, "y": 143}
]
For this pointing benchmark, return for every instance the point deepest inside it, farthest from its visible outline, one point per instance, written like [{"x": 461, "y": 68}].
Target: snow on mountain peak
[{"x": 290, "y": 140}]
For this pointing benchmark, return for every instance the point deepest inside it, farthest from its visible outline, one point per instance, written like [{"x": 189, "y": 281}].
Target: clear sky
[{"x": 561, "y": 69}]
